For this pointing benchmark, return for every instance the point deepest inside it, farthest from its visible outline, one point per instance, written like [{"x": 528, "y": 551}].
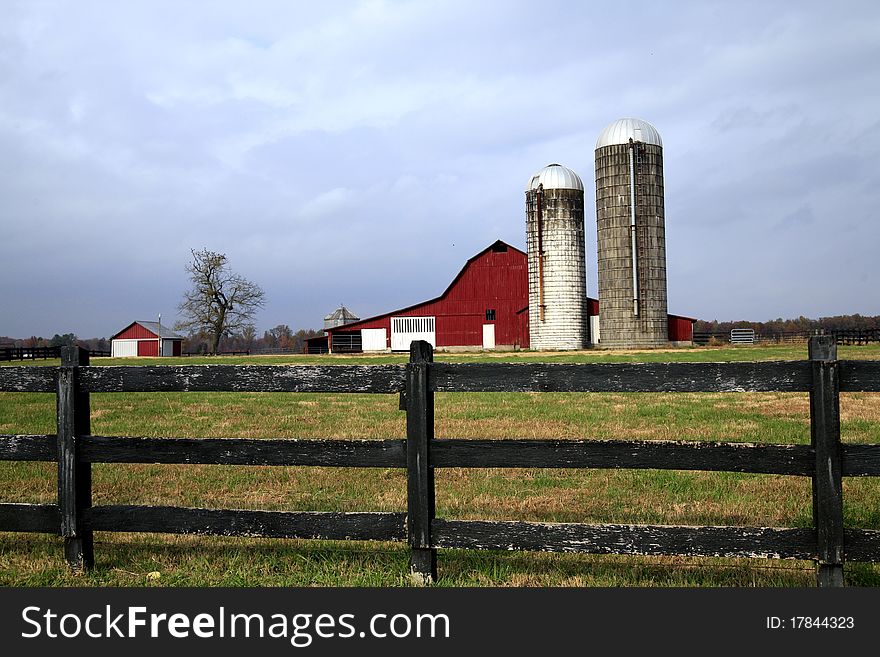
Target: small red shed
[{"x": 143, "y": 339}]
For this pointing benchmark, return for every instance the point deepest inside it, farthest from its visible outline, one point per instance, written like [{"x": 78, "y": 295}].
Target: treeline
[
  {"x": 280, "y": 338},
  {"x": 66, "y": 340},
  {"x": 802, "y": 325}
]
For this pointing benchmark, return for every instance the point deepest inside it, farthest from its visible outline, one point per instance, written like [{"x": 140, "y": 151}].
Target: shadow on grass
[{"x": 158, "y": 560}]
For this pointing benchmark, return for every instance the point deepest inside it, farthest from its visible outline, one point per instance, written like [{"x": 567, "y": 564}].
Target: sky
[{"x": 360, "y": 152}]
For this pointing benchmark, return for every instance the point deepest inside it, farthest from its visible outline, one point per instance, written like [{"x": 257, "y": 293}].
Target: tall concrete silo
[
  {"x": 557, "y": 269},
  {"x": 631, "y": 236}
]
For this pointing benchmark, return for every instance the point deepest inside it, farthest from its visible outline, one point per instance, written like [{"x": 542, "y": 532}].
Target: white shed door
[
  {"x": 406, "y": 329},
  {"x": 374, "y": 339},
  {"x": 488, "y": 336},
  {"x": 123, "y": 348}
]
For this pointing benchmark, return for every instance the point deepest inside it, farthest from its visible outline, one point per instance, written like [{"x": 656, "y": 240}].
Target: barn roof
[
  {"x": 154, "y": 328},
  {"x": 497, "y": 245}
]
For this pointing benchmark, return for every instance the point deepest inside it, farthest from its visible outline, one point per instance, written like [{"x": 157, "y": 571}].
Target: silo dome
[
  {"x": 622, "y": 130},
  {"x": 555, "y": 176}
]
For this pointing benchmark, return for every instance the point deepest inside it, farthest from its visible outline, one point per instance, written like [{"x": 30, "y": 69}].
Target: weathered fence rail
[
  {"x": 826, "y": 460},
  {"x": 38, "y": 353}
]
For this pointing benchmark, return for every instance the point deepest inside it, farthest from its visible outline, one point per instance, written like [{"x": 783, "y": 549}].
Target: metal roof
[
  {"x": 165, "y": 331},
  {"x": 622, "y": 130},
  {"x": 555, "y": 176},
  {"x": 342, "y": 313}
]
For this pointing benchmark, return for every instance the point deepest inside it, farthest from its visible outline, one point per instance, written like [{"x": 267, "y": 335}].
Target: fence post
[
  {"x": 420, "y": 474},
  {"x": 74, "y": 477},
  {"x": 827, "y": 476}
]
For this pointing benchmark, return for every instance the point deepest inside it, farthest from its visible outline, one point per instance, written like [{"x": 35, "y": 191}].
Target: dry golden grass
[{"x": 597, "y": 496}]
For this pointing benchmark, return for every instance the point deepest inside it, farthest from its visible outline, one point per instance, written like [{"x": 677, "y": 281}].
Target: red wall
[
  {"x": 135, "y": 332},
  {"x": 148, "y": 348},
  {"x": 491, "y": 280},
  {"x": 681, "y": 329}
]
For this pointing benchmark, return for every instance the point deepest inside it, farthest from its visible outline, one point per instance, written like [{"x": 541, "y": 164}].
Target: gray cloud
[{"x": 337, "y": 153}]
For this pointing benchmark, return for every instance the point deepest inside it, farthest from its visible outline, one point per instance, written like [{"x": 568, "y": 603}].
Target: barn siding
[
  {"x": 681, "y": 329},
  {"x": 135, "y": 332},
  {"x": 491, "y": 280},
  {"x": 148, "y": 348}
]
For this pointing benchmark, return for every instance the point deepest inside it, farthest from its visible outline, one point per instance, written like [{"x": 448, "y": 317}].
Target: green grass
[
  {"x": 597, "y": 496},
  {"x": 689, "y": 354}
]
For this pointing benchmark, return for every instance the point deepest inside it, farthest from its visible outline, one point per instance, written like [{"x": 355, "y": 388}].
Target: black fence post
[
  {"x": 74, "y": 477},
  {"x": 827, "y": 475},
  {"x": 420, "y": 506}
]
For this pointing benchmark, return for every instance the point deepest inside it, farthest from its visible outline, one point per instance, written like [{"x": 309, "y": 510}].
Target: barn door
[
  {"x": 488, "y": 336},
  {"x": 406, "y": 329}
]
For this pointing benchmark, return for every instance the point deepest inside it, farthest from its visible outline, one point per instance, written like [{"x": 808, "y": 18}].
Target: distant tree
[
  {"x": 282, "y": 336},
  {"x": 300, "y": 337},
  {"x": 66, "y": 340},
  {"x": 248, "y": 335},
  {"x": 220, "y": 302}
]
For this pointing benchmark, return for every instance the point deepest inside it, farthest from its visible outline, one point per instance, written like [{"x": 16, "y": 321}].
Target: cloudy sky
[{"x": 360, "y": 152}]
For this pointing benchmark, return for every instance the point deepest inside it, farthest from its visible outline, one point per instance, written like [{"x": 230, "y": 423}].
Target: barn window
[{"x": 490, "y": 315}]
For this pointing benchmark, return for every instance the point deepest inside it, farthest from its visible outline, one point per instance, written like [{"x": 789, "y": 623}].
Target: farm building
[
  {"x": 485, "y": 307},
  {"x": 143, "y": 338}
]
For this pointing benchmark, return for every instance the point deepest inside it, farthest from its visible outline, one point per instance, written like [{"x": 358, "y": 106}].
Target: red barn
[
  {"x": 485, "y": 306},
  {"x": 142, "y": 339}
]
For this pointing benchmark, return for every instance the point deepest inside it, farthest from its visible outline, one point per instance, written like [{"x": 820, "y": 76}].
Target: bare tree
[{"x": 220, "y": 301}]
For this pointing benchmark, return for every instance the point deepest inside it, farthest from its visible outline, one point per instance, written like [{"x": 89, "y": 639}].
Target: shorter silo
[{"x": 557, "y": 266}]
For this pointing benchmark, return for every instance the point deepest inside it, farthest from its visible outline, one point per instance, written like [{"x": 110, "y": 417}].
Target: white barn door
[
  {"x": 374, "y": 339},
  {"x": 123, "y": 348},
  {"x": 488, "y": 336},
  {"x": 406, "y": 329}
]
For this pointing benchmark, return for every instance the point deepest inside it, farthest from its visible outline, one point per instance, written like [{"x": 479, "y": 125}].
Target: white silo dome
[
  {"x": 555, "y": 176},
  {"x": 622, "y": 130}
]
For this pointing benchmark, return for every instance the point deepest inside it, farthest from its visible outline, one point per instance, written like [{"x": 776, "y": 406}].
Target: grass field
[{"x": 620, "y": 496}]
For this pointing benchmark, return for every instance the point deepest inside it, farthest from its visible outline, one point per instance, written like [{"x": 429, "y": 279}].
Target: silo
[
  {"x": 631, "y": 236},
  {"x": 557, "y": 270}
]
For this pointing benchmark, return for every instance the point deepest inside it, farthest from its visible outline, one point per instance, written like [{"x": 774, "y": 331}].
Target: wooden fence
[
  {"x": 826, "y": 461},
  {"x": 841, "y": 336},
  {"x": 38, "y": 353}
]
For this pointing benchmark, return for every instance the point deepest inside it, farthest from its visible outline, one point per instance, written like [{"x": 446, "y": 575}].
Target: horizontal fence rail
[
  {"x": 770, "y": 376},
  {"x": 74, "y": 448}
]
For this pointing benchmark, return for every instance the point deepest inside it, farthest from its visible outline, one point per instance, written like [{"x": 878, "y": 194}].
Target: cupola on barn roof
[
  {"x": 622, "y": 130},
  {"x": 555, "y": 176}
]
